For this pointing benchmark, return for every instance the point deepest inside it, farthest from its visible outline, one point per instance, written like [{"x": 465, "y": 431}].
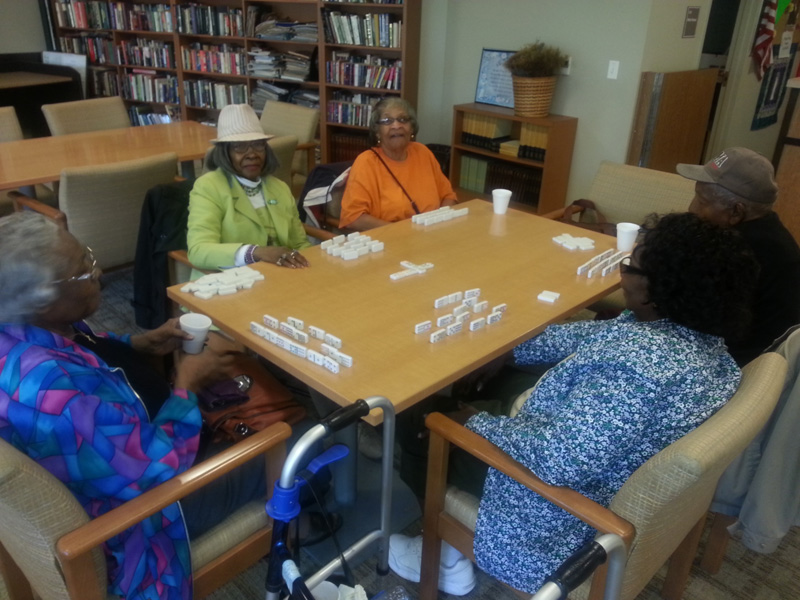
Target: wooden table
[
  {"x": 511, "y": 258},
  {"x": 24, "y": 79},
  {"x": 41, "y": 160}
]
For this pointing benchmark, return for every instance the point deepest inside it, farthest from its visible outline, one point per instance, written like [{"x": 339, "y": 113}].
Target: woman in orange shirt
[{"x": 397, "y": 177}]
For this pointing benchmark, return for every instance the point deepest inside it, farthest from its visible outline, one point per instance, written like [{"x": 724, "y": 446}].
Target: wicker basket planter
[{"x": 533, "y": 95}]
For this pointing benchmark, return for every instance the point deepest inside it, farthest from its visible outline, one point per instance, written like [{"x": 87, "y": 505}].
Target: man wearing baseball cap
[{"x": 737, "y": 189}]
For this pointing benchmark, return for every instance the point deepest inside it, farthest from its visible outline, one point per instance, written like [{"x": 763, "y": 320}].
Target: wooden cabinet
[
  {"x": 190, "y": 59},
  {"x": 787, "y": 163},
  {"x": 494, "y": 148}
]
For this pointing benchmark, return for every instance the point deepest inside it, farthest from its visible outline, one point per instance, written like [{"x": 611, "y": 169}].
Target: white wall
[
  {"x": 20, "y": 26},
  {"x": 593, "y": 32}
]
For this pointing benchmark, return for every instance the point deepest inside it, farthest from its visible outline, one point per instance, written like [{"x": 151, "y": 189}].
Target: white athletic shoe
[{"x": 456, "y": 575}]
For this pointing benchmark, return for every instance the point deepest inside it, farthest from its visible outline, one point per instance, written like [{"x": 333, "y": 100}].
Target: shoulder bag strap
[{"x": 380, "y": 158}]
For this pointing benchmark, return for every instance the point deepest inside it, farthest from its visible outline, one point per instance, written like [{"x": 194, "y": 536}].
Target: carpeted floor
[{"x": 745, "y": 575}]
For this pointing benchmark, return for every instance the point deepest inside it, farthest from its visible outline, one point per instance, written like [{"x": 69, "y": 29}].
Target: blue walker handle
[{"x": 331, "y": 455}]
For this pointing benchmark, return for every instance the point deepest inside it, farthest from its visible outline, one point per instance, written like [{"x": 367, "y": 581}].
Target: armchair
[
  {"x": 101, "y": 205},
  {"x": 283, "y": 118},
  {"x": 659, "y": 512},
  {"x": 95, "y": 114},
  {"x": 48, "y": 545}
]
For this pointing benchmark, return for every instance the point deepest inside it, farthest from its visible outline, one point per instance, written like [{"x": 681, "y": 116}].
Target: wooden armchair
[
  {"x": 659, "y": 512},
  {"x": 283, "y": 118},
  {"x": 50, "y": 548}
]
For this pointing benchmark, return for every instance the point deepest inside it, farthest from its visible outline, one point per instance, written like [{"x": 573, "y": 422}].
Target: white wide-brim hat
[{"x": 239, "y": 123}]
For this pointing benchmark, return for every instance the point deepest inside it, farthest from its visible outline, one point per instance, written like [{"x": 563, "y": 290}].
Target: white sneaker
[{"x": 456, "y": 575}]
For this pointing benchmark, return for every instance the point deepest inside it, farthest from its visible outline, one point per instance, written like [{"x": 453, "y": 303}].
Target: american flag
[{"x": 762, "y": 47}]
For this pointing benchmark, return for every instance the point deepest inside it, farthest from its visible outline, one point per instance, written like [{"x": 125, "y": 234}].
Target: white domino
[
  {"x": 422, "y": 327},
  {"x": 473, "y": 293},
  {"x": 456, "y": 297},
  {"x": 445, "y": 320},
  {"x": 438, "y": 336},
  {"x": 501, "y": 308},
  {"x": 454, "y": 328},
  {"x": 258, "y": 329},
  {"x": 271, "y": 322},
  {"x": 332, "y": 340},
  {"x": 463, "y": 317},
  {"x": 480, "y": 306},
  {"x": 547, "y": 296},
  {"x": 330, "y": 364},
  {"x": 316, "y": 332},
  {"x": 441, "y": 302},
  {"x": 460, "y": 310},
  {"x": 494, "y": 318},
  {"x": 344, "y": 359},
  {"x": 477, "y": 324}
]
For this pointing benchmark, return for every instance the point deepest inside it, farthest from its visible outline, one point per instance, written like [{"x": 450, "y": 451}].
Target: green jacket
[{"x": 221, "y": 219}]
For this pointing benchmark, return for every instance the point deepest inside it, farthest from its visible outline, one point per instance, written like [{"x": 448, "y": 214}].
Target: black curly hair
[{"x": 698, "y": 274}]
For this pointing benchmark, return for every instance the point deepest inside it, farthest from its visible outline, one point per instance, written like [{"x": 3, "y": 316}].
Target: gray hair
[
  {"x": 386, "y": 104},
  {"x": 219, "y": 158},
  {"x": 27, "y": 269},
  {"x": 725, "y": 199}
]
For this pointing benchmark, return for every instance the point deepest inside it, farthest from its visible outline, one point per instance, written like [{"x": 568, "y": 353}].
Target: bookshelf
[
  {"x": 189, "y": 59},
  {"x": 494, "y": 148}
]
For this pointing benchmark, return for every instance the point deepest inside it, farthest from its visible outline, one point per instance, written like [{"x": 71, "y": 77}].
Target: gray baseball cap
[{"x": 738, "y": 170}]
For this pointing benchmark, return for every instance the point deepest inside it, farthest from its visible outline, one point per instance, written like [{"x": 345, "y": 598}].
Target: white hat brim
[{"x": 243, "y": 137}]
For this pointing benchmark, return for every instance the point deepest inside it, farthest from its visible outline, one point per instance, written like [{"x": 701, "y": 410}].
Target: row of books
[
  {"x": 273, "y": 29},
  {"x": 145, "y": 115},
  {"x": 380, "y": 30},
  {"x": 210, "y": 20},
  {"x": 482, "y": 175},
  {"x": 294, "y": 66},
  {"x": 113, "y": 15},
  {"x": 99, "y": 50},
  {"x": 349, "y": 113},
  {"x": 485, "y": 131},
  {"x": 364, "y": 71},
  {"x": 146, "y": 53},
  {"x": 149, "y": 87},
  {"x": 214, "y": 58},
  {"x": 213, "y": 94},
  {"x": 104, "y": 82},
  {"x": 347, "y": 146},
  {"x": 533, "y": 141}
]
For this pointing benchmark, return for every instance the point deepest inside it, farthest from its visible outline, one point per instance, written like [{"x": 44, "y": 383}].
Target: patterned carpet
[{"x": 745, "y": 575}]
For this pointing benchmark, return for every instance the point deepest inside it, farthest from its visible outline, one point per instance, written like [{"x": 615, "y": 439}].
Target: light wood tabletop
[
  {"x": 41, "y": 160},
  {"x": 22, "y": 79},
  {"x": 511, "y": 258}
]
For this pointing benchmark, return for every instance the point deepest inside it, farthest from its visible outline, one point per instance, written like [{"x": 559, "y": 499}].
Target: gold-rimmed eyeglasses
[{"x": 93, "y": 273}]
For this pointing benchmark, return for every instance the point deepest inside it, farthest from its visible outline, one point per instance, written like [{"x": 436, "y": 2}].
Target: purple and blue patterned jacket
[{"x": 81, "y": 420}]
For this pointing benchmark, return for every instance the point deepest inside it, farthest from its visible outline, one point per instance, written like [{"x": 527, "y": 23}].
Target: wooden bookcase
[
  {"x": 551, "y": 172},
  {"x": 196, "y": 65}
]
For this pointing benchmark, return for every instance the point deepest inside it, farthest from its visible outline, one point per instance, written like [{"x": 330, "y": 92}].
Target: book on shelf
[
  {"x": 533, "y": 141},
  {"x": 377, "y": 30},
  {"x": 347, "y": 146},
  {"x": 510, "y": 148},
  {"x": 145, "y": 115},
  {"x": 524, "y": 182},
  {"x": 307, "y": 98},
  {"x": 210, "y": 20},
  {"x": 264, "y": 91}
]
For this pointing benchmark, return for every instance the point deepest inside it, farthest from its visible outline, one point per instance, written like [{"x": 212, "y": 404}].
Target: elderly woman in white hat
[{"x": 239, "y": 213}]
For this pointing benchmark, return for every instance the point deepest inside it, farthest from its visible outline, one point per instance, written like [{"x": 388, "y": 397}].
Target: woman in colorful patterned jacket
[
  {"x": 89, "y": 408},
  {"x": 620, "y": 391}
]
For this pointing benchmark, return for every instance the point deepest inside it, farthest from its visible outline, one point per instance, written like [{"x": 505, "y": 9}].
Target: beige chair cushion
[
  {"x": 234, "y": 529},
  {"x": 625, "y": 193},
  {"x": 103, "y": 204},
  {"x": 10, "y": 131},
  {"x": 36, "y": 509},
  {"x": 96, "y": 114},
  {"x": 284, "y": 118},
  {"x": 284, "y": 147}
]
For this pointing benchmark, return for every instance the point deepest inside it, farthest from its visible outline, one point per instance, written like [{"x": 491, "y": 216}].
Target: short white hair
[{"x": 27, "y": 270}]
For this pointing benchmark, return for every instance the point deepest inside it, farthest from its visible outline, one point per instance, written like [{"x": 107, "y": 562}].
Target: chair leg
[
  {"x": 435, "y": 489},
  {"x": 680, "y": 563},
  {"x": 717, "y": 543},
  {"x": 14, "y": 579}
]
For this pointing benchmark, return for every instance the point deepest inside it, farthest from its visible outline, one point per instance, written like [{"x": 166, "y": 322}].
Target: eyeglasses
[
  {"x": 627, "y": 268},
  {"x": 255, "y": 146},
  {"x": 93, "y": 274},
  {"x": 390, "y": 120}
]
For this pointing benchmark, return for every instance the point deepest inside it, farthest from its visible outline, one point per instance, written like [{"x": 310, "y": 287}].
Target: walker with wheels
[{"x": 284, "y": 506}]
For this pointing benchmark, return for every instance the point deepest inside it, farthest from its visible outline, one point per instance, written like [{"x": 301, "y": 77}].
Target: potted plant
[{"x": 533, "y": 74}]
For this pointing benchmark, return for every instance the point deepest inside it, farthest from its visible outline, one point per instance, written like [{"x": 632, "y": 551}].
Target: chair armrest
[
  {"x": 311, "y": 155},
  {"x": 320, "y": 234},
  {"x": 23, "y": 202},
  {"x": 559, "y": 212},
  {"x": 76, "y": 544},
  {"x": 182, "y": 257},
  {"x": 596, "y": 515}
]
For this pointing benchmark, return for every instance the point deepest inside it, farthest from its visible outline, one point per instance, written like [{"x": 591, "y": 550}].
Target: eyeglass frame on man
[
  {"x": 390, "y": 120},
  {"x": 93, "y": 274},
  {"x": 244, "y": 147}
]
